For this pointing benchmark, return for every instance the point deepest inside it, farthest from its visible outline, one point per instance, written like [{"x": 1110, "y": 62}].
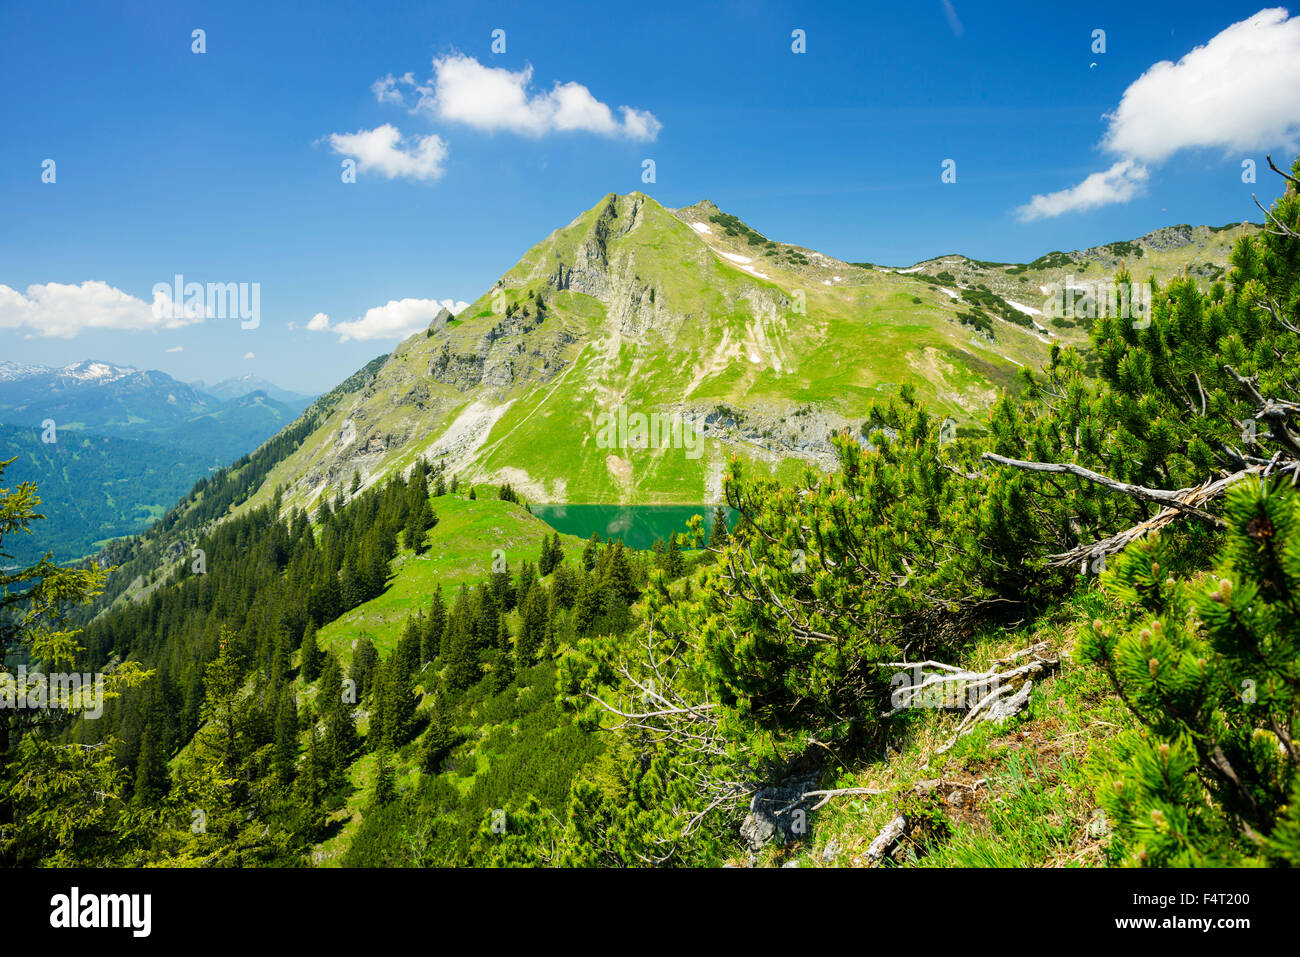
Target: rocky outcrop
[
  {"x": 804, "y": 432},
  {"x": 779, "y": 813},
  {"x": 1169, "y": 237}
]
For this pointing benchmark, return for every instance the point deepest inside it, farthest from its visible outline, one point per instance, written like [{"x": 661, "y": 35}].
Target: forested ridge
[{"x": 1121, "y": 545}]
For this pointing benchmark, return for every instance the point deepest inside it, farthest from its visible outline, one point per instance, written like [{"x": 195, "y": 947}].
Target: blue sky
[{"x": 221, "y": 166}]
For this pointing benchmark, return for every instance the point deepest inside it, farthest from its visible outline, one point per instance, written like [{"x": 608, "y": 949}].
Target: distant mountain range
[
  {"x": 128, "y": 442},
  {"x": 243, "y": 385}
]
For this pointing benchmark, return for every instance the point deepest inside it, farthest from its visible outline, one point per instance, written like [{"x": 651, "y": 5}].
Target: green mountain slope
[
  {"x": 632, "y": 304},
  {"x": 461, "y": 550},
  {"x": 690, "y": 313},
  {"x": 1198, "y": 251}
]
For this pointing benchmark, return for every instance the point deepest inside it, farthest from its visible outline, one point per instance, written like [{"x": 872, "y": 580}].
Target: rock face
[
  {"x": 630, "y": 301},
  {"x": 504, "y": 356},
  {"x": 1169, "y": 237},
  {"x": 779, "y": 813}
]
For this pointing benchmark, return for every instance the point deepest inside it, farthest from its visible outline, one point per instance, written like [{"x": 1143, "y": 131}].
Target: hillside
[
  {"x": 94, "y": 487},
  {"x": 1200, "y": 252},
  {"x": 461, "y": 550}
]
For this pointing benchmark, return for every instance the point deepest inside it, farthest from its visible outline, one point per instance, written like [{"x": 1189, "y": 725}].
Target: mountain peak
[{"x": 88, "y": 370}]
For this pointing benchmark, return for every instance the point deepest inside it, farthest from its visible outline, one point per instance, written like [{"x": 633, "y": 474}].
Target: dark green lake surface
[{"x": 637, "y": 525}]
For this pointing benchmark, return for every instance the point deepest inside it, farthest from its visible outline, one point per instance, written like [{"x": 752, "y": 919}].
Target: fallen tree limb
[
  {"x": 971, "y": 691},
  {"x": 886, "y": 840}
]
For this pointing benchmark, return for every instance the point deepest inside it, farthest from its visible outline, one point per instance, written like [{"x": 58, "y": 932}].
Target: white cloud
[
  {"x": 1241, "y": 91},
  {"x": 176, "y": 349},
  {"x": 1235, "y": 93},
  {"x": 385, "y": 88},
  {"x": 386, "y": 151},
  {"x": 493, "y": 98},
  {"x": 1118, "y": 184},
  {"x": 396, "y": 319},
  {"x": 63, "y": 310},
  {"x": 249, "y": 355}
]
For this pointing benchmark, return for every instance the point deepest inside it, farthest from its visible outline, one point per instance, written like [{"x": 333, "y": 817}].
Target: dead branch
[
  {"x": 1272, "y": 306},
  {"x": 885, "y": 841},
  {"x": 1197, "y": 496},
  {"x": 1170, "y": 499},
  {"x": 990, "y": 695},
  {"x": 1276, "y": 412},
  {"x": 827, "y": 795},
  {"x": 1286, "y": 176}
]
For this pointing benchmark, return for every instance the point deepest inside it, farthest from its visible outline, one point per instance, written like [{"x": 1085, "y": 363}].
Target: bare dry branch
[
  {"x": 1170, "y": 499},
  {"x": 1198, "y": 496}
]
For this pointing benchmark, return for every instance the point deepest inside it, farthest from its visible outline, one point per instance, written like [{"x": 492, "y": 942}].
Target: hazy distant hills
[
  {"x": 127, "y": 443},
  {"x": 243, "y": 385},
  {"x": 125, "y": 402}
]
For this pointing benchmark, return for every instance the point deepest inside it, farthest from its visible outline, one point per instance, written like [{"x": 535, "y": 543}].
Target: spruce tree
[
  {"x": 400, "y": 704},
  {"x": 674, "y": 561},
  {"x": 439, "y": 737},
  {"x": 285, "y": 756},
  {"x": 718, "y": 535},
  {"x": 341, "y": 740},
  {"x": 435, "y": 622},
  {"x": 312, "y": 657},
  {"x": 532, "y": 626},
  {"x": 365, "y": 660},
  {"x": 329, "y": 689},
  {"x": 385, "y": 780},
  {"x": 151, "y": 774},
  {"x": 545, "y": 560},
  {"x": 564, "y": 586},
  {"x": 618, "y": 574},
  {"x": 463, "y": 669}
]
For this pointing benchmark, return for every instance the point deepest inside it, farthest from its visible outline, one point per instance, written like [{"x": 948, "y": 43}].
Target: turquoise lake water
[{"x": 637, "y": 525}]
